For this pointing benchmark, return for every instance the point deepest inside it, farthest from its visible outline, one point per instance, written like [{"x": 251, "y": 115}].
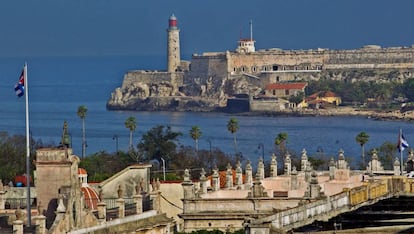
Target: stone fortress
[{"x": 207, "y": 81}]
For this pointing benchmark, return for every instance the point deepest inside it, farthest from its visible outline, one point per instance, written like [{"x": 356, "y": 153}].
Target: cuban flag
[
  {"x": 19, "y": 87},
  {"x": 402, "y": 142}
]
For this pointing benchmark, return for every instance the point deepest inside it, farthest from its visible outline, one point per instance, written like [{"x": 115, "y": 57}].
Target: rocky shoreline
[{"x": 351, "y": 111}]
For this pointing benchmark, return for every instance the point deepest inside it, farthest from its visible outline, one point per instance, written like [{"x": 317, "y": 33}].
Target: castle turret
[{"x": 173, "y": 46}]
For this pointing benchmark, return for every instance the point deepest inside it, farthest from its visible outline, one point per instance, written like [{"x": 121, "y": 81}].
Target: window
[
  {"x": 274, "y": 92},
  {"x": 234, "y": 69},
  {"x": 254, "y": 68},
  {"x": 275, "y": 67},
  {"x": 277, "y": 78},
  {"x": 286, "y": 91}
]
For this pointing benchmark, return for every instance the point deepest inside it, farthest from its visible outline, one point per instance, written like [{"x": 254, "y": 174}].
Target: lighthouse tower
[{"x": 173, "y": 46}]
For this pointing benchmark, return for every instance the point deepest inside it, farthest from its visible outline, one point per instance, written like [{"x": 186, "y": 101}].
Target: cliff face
[{"x": 143, "y": 94}]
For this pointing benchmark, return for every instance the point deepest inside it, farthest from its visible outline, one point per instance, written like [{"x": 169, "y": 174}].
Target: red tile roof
[{"x": 297, "y": 85}]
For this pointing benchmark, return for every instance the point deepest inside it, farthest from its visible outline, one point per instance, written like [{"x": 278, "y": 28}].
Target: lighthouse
[{"x": 173, "y": 45}]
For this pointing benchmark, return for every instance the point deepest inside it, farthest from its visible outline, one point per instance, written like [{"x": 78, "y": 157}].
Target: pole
[
  {"x": 26, "y": 84},
  {"x": 115, "y": 137},
  {"x": 163, "y": 167},
  {"x": 401, "y": 151}
]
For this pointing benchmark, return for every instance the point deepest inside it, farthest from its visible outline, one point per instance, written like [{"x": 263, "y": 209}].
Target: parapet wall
[{"x": 149, "y": 77}]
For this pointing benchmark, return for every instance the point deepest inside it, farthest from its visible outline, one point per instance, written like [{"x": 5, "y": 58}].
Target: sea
[{"x": 57, "y": 86}]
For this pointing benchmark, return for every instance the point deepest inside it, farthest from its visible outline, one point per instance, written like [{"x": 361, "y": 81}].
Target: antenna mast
[{"x": 251, "y": 30}]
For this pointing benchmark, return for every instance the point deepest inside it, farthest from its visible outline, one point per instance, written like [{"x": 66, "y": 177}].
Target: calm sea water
[{"x": 57, "y": 86}]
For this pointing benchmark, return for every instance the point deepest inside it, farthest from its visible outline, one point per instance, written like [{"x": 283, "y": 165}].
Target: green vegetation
[
  {"x": 362, "y": 138},
  {"x": 377, "y": 95},
  {"x": 233, "y": 127},
  {"x": 195, "y": 134},
  {"x": 131, "y": 124}
]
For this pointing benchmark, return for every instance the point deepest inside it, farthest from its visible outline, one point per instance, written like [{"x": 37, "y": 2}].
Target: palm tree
[
  {"x": 362, "y": 138},
  {"x": 280, "y": 140},
  {"x": 232, "y": 127},
  {"x": 195, "y": 133},
  {"x": 82, "y": 110},
  {"x": 131, "y": 124}
]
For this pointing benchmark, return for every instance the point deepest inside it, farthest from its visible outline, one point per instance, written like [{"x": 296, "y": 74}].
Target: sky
[{"x": 138, "y": 27}]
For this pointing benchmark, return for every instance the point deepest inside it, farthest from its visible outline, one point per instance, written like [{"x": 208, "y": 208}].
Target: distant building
[{"x": 323, "y": 98}]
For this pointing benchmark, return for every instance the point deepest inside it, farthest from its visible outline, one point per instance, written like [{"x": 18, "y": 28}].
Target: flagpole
[
  {"x": 401, "y": 152},
  {"x": 29, "y": 210}
]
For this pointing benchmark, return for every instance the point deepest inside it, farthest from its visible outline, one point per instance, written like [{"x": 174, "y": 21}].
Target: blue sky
[{"x": 134, "y": 27}]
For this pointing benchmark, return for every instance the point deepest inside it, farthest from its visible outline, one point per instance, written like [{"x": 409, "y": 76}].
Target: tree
[
  {"x": 232, "y": 127},
  {"x": 82, "y": 110},
  {"x": 159, "y": 141},
  {"x": 195, "y": 134},
  {"x": 362, "y": 138},
  {"x": 280, "y": 140},
  {"x": 131, "y": 124},
  {"x": 298, "y": 98},
  {"x": 408, "y": 89}
]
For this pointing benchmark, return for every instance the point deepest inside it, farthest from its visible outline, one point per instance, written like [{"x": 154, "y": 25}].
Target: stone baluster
[
  {"x": 239, "y": 175},
  {"x": 215, "y": 179},
  {"x": 2, "y": 200},
  {"x": 40, "y": 222},
  {"x": 102, "y": 212},
  {"x": 249, "y": 175},
  {"x": 273, "y": 166},
  {"x": 203, "y": 182},
  {"x": 260, "y": 169},
  {"x": 188, "y": 185},
  {"x": 288, "y": 164},
  {"x": 303, "y": 161},
  {"x": 18, "y": 227},
  {"x": 121, "y": 207},
  {"x": 294, "y": 179},
  {"x": 229, "y": 176},
  {"x": 397, "y": 169},
  {"x": 332, "y": 168}
]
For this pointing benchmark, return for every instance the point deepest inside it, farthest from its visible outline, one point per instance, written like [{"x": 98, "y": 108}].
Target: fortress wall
[
  {"x": 271, "y": 60},
  {"x": 265, "y": 105},
  {"x": 149, "y": 77},
  {"x": 256, "y": 62},
  {"x": 207, "y": 66},
  {"x": 378, "y": 56}
]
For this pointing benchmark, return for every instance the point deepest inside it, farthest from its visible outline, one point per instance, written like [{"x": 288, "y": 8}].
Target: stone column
[
  {"x": 288, "y": 164},
  {"x": 121, "y": 207},
  {"x": 303, "y": 161},
  {"x": 203, "y": 182},
  {"x": 249, "y": 175},
  {"x": 18, "y": 227},
  {"x": 260, "y": 169},
  {"x": 273, "y": 166},
  {"x": 229, "y": 176},
  {"x": 102, "y": 212},
  {"x": 40, "y": 222},
  {"x": 239, "y": 175},
  {"x": 215, "y": 179}
]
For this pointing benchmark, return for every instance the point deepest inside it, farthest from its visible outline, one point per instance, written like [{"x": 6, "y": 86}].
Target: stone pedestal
[
  {"x": 156, "y": 201},
  {"x": 121, "y": 207},
  {"x": 138, "y": 203},
  {"x": 18, "y": 227},
  {"x": 102, "y": 212},
  {"x": 2, "y": 200},
  {"x": 40, "y": 222}
]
